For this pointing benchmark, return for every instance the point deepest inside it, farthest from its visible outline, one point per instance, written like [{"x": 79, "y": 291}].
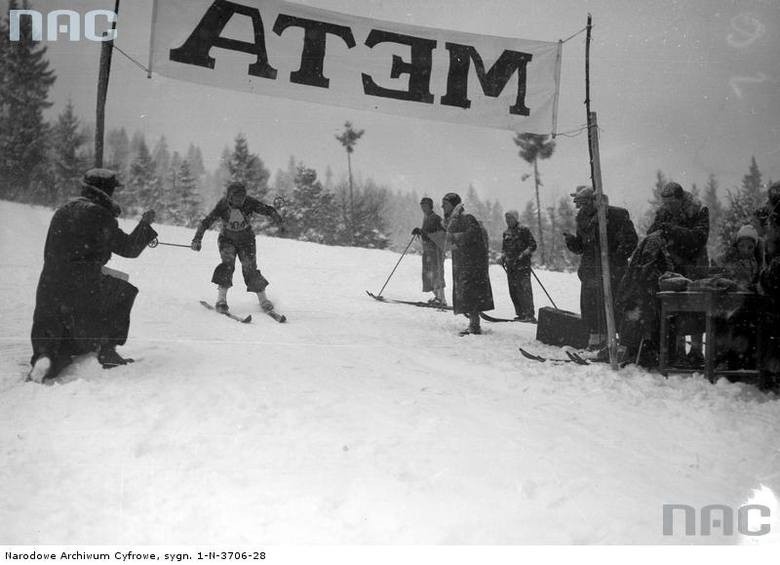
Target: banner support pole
[
  {"x": 106, "y": 52},
  {"x": 595, "y": 170}
]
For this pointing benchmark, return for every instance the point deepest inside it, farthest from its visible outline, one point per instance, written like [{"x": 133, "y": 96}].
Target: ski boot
[{"x": 109, "y": 358}]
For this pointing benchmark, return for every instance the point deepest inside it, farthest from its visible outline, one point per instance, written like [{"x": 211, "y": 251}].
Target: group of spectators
[{"x": 673, "y": 256}]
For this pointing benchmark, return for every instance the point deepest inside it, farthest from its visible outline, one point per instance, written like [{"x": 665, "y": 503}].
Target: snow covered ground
[{"x": 355, "y": 423}]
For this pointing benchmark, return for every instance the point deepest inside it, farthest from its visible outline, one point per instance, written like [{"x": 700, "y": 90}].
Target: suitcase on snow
[{"x": 560, "y": 327}]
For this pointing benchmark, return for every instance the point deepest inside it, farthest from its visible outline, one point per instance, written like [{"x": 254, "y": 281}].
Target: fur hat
[
  {"x": 452, "y": 198},
  {"x": 427, "y": 200},
  {"x": 747, "y": 232},
  {"x": 104, "y": 180},
  {"x": 583, "y": 192},
  {"x": 672, "y": 190},
  {"x": 513, "y": 214}
]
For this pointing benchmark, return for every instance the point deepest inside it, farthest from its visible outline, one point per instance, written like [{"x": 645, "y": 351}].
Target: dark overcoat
[
  {"x": 77, "y": 306},
  {"x": 470, "y": 261}
]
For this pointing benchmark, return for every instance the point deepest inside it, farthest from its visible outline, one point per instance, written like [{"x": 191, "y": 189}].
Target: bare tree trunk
[
  {"x": 539, "y": 213},
  {"x": 351, "y": 223}
]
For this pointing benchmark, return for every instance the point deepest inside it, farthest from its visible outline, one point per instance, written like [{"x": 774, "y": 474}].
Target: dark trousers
[
  {"x": 243, "y": 247},
  {"x": 520, "y": 292}
]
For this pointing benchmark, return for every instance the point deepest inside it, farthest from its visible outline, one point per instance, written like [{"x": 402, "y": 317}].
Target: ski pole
[
  {"x": 396, "y": 266},
  {"x": 545, "y": 290},
  {"x": 154, "y": 243},
  {"x": 540, "y": 284}
]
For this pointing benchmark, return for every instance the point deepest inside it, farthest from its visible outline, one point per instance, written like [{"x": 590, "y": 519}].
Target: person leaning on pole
[
  {"x": 621, "y": 242},
  {"x": 517, "y": 248},
  {"x": 78, "y": 307},
  {"x": 432, "y": 235}
]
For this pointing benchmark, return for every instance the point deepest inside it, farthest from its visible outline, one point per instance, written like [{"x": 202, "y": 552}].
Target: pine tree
[
  {"x": 715, "y": 207},
  {"x": 534, "y": 147},
  {"x": 161, "y": 156},
  {"x": 742, "y": 205},
  {"x": 311, "y": 212},
  {"x": 69, "y": 164},
  {"x": 118, "y": 145},
  {"x": 654, "y": 202},
  {"x": 247, "y": 167},
  {"x": 25, "y": 80},
  {"x": 184, "y": 201},
  {"x": 144, "y": 188},
  {"x": 195, "y": 159}
]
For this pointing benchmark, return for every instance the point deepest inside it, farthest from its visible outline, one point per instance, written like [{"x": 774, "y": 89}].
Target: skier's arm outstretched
[{"x": 205, "y": 224}]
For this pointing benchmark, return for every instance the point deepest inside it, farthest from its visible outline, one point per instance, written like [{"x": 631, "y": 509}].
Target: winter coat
[
  {"x": 470, "y": 264},
  {"x": 74, "y": 298},
  {"x": 433, "y": 253},
  {"x": 236, "y": 222},
  {"x": 516, "y": 241},
  {"x": 621, "y": 240},
  {"x": 743, "y": 270},
  {"x": 686, "y": 235}
]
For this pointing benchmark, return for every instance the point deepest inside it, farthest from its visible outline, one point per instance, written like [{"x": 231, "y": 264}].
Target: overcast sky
[{"x": 689, "y": 87}]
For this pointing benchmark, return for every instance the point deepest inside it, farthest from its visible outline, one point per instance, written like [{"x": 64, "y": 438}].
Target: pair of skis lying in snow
[
  {"x": 482, "y": 315},
  {"x": 272, "y": 313},
  {"x": 573, "y": 357}
]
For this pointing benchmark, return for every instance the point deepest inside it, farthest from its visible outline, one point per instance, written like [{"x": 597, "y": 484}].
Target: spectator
[
  {"x": 471, "y": 292},
  {"x": 684, "y": 225},
  {"x": 516, "y": 251},
  {"x": 79, "y": 308},
  {"x": 621, "y": 241}
]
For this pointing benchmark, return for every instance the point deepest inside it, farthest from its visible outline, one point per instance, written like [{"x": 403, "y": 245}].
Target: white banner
[{"x": 297, "y": 52}]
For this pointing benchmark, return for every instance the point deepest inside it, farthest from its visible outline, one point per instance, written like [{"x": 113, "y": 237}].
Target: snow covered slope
[{"x": 357, "y": 422}]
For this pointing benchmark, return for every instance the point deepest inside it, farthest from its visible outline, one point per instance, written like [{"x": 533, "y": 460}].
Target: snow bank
[{"x": 356, "y": 423}]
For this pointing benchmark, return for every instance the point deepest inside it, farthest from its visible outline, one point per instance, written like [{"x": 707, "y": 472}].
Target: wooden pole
[
  {"x": 106, "y": 52},
  {"x": 595, "y": 170}
]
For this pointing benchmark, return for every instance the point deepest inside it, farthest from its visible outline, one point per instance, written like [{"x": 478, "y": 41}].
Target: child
[
  {"x": 236, "y": 239},
  {"x": 742, "y": 261},
  {"x": 736, "y": 335}
]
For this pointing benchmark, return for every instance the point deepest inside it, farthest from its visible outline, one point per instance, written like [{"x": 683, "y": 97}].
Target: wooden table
[{"x": 713, "y": 305}]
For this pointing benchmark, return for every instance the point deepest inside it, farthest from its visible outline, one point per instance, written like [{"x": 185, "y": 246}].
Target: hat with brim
[
  {"x": 104, "y": 180},
  {"x": 583, "y": 193}
]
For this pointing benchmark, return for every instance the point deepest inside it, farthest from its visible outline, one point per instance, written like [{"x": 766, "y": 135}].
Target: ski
[
  {"x": 408, "y": 302},
  {"x": 245, "y": 320},
  {"x": 489, "y": 318},
  {"x": 540, "y": 359},
  {"x": 577, "y": 358}
]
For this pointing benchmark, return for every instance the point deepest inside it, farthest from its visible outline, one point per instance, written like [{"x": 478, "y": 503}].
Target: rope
[
  {"x": 574, "y": 34},
  {"x": 139, "y": 65}
]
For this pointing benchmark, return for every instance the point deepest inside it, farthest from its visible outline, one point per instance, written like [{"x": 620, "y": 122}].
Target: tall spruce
[
  {"x": 25, "y": 80},
  {"x": 248, "y": 168},
  {"x": 68, "y": 161}
]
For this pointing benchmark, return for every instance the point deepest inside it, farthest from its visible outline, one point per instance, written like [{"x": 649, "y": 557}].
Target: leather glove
[
  {"x": 417, "y": 232},
  {"x": 149, "y": 216},
  {"x": 195, "y": 245}
]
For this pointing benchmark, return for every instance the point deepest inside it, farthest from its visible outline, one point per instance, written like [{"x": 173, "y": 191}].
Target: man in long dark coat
[
  {"x": 517, "y": 248},
  {"x": 432, "y": 235},
  {"x": 78, "y": 308},
  {"x": 471, "y": 292},
  {"x": 621, "y": 241},
  {"x": 684, "y": 225}
]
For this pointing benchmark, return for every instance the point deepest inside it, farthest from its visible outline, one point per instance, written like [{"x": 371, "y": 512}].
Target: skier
[
  {"x": 78, "y": 307},
  {"x": 237, "y": 239},
  {"x": 471, "y": 292},
  {"x": 518, "y": 246},
  {"x": 432, "y": 235}
]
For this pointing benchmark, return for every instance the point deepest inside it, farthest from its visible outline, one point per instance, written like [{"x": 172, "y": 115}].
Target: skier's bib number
[{"x": 236, "y": 221}]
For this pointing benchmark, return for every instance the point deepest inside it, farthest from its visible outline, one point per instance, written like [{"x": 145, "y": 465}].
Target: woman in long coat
[{"x": 471, "y": 292}]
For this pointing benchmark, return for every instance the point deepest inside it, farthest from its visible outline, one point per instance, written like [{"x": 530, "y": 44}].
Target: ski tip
[{"x": 247, "y": 320}]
